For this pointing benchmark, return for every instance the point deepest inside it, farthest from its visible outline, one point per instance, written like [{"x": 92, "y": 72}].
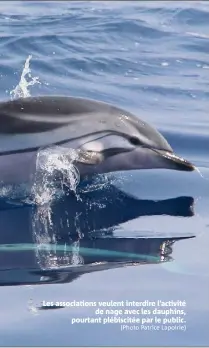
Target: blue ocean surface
[{"x": 140, "y": 236}]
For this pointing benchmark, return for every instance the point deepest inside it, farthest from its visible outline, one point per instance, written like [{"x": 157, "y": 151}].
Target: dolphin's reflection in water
[{"x": 57, "y": 244}]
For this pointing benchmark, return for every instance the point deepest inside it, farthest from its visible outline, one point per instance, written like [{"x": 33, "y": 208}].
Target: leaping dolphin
[{"x": 108, "y": 139}]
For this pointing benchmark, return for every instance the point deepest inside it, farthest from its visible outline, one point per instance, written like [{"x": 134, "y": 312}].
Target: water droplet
[{"x": 164, "y": 63}]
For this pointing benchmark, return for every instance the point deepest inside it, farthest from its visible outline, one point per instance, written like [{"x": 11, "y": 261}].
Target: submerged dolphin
[{"x": 108, "y": 139}]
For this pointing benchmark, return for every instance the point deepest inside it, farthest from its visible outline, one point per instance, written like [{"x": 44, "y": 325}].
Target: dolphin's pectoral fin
[{"x": 89, "y": 157}]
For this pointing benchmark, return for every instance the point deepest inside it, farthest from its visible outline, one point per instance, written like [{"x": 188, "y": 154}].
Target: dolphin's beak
[{"x": 176, "y": 162}]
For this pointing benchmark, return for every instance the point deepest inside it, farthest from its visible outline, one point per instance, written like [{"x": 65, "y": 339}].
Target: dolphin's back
[
  {"x": 76, "y": 117},
  {"x": 39, "y": 114}
]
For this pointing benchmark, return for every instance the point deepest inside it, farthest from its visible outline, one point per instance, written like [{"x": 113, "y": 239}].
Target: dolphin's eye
[{"x": 135, "y": 141}]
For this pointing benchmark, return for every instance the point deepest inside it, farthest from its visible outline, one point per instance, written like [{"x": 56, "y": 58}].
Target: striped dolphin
[{"x": 108, "y": 139}]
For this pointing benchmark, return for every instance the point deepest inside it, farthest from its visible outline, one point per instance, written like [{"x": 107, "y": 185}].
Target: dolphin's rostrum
[{"x": 108, "y": 139}]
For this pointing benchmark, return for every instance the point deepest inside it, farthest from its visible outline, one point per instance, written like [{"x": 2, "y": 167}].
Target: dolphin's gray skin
[{"x": 108, "y": 138}]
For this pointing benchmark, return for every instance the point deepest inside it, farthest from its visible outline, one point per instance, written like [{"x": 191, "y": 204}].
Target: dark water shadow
[{"x": 58, "y": 244}]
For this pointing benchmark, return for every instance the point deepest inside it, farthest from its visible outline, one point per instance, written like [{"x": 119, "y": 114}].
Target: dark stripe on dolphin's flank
[{"x": 61, "y": 142}]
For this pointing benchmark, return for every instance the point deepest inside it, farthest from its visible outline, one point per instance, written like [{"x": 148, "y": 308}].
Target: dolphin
[{"x": 107, "y": 138}]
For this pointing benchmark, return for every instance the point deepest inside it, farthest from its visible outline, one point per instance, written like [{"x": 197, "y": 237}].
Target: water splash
[
  {"x": 55, "y": 171},
  {"x": 201, "y": 174},
  {"x": 47, "y": 251},
  {"x": 16, "y": 194},
  {"x": 21, "y": 90}
]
